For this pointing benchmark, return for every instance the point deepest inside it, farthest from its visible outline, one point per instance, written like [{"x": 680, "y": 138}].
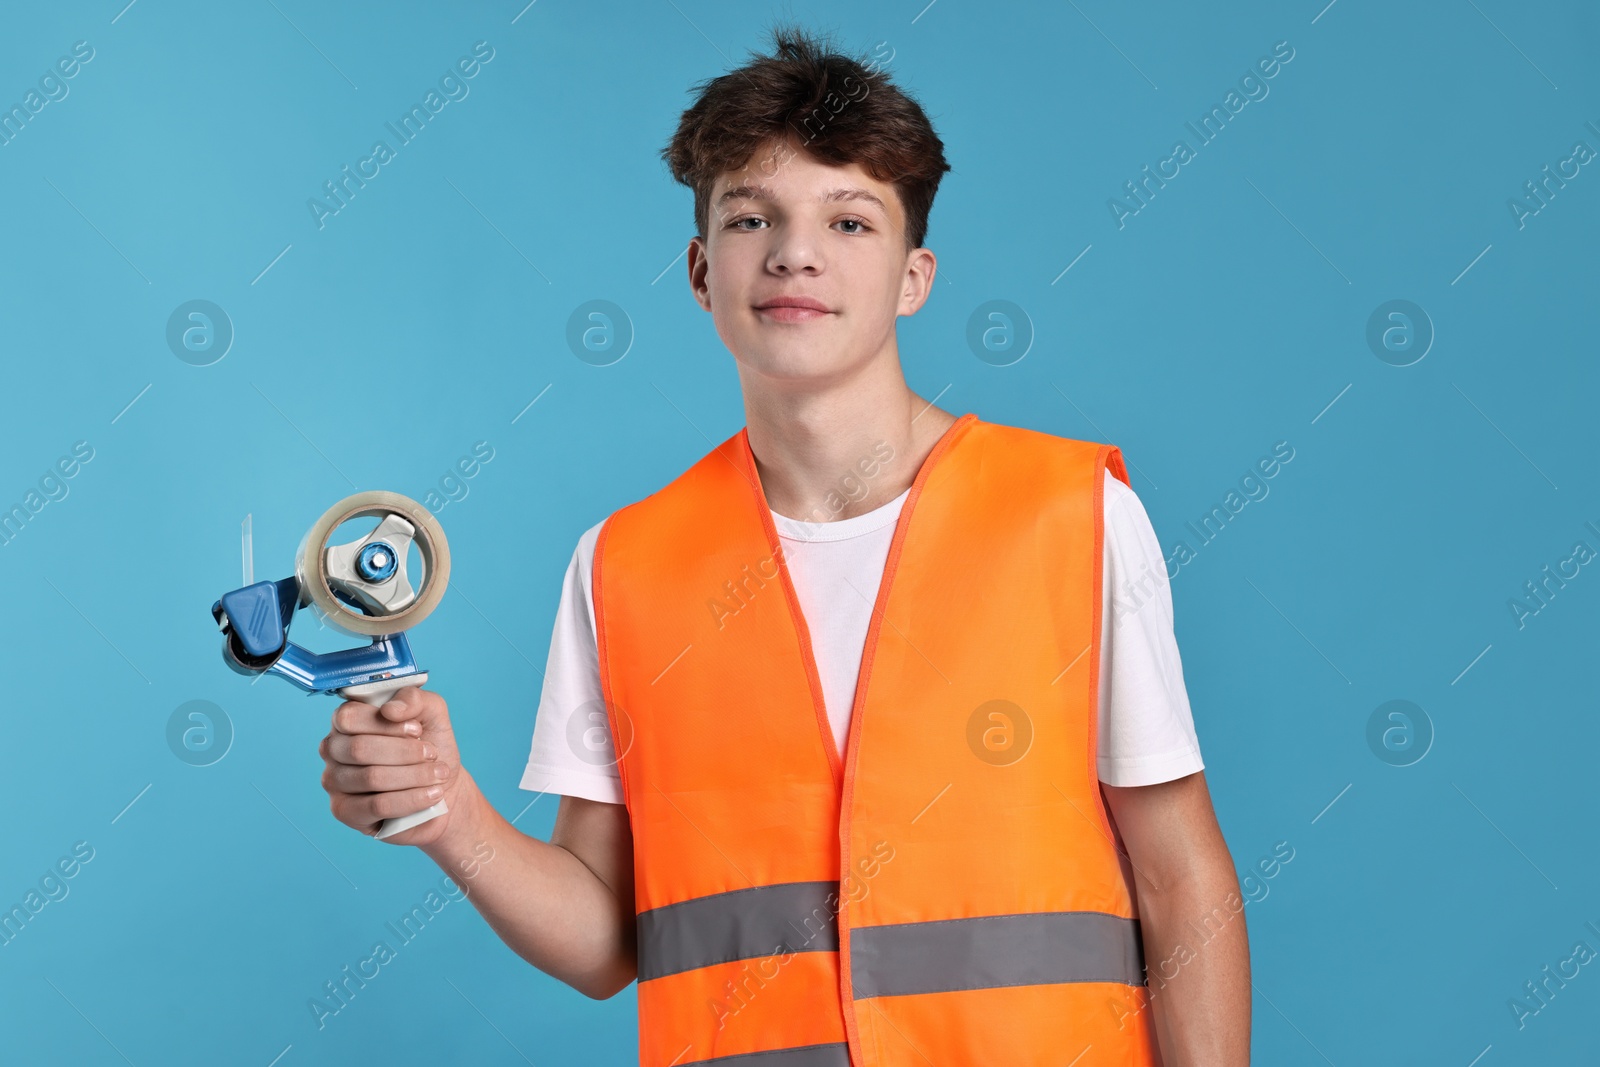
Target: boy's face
[{"x": 787, "y": 225}]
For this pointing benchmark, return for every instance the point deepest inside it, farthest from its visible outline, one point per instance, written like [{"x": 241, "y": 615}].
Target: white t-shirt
[{"x": 1146, "y": 728}]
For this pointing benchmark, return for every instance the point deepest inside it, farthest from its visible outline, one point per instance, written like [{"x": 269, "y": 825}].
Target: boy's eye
[{"x": 859, "y": 225}]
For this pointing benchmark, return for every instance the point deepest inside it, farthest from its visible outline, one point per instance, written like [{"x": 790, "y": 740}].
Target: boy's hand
[{"x": 383, "y": 762}]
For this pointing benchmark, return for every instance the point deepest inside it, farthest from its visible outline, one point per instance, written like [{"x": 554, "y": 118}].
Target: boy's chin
[{"x": 791, "y": 364}]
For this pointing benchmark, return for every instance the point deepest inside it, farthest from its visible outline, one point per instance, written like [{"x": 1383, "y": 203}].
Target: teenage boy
[{"x": 870, "y": 728}]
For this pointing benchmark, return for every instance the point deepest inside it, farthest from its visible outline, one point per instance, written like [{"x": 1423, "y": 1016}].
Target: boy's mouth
[{"x": 792, "y": 309}]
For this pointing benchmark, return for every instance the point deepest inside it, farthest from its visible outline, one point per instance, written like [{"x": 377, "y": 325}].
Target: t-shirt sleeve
[
  {"x": 572, "y": 753},
  {"x": 1146, "y": 727}
]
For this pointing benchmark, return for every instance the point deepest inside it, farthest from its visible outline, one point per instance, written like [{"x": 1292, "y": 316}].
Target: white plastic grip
[{"x": 378, "y": 694}]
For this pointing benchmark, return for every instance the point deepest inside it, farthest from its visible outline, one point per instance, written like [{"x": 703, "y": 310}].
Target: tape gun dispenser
[{"x": 360, "y": 588}]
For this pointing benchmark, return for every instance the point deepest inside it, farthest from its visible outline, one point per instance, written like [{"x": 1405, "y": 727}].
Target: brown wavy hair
[{"x": 839, "y": 108}]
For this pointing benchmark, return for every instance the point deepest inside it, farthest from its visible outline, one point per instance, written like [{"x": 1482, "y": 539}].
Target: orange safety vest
[{"x": 950, "y": 889}]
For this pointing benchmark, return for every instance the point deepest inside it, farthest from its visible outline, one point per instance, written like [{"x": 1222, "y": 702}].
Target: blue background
[{"x": 1228, "y": 314}]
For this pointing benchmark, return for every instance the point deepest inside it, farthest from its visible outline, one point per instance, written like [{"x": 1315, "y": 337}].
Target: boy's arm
[
  {"x": 565, "y": 906},
  {"x": 1191, "y": 915}
]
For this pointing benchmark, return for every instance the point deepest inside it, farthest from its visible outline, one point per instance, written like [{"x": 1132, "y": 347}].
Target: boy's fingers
[
  {"x": 356, "y": 717},
  {"x": 402, "y": 704},
  {"x": 357, "y": 749},
  {"x": 415, "y": 704},
  {"x": 383, "y": 778},
  {"x": 375, "y": 807}
]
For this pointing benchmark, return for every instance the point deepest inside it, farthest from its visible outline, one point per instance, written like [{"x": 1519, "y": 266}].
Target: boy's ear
[
  {"x": 698, "y": 269},
  {"x": 921, "y": 266}
]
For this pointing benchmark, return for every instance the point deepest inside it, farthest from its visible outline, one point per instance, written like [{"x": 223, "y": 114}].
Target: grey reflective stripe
[
  {"x": 1034, "y": 948},
  {"x": 836, "y": 1055},
  {"x": 739, "y": 925}
]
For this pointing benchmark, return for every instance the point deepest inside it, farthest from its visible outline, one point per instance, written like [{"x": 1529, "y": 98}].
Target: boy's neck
[{"x": 831, "y": 455}]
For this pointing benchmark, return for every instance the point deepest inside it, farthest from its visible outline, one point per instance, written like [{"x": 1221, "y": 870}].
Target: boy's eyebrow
[{"x": 761, "y": 192}]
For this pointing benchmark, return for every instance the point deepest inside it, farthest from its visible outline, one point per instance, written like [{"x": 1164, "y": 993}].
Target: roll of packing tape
[{"x": 311, "y": 564}]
